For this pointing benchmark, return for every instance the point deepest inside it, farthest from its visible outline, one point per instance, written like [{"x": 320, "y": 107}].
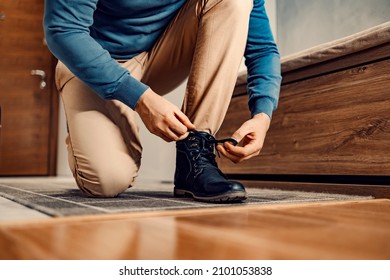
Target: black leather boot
[{"x": 197, "y": 173}]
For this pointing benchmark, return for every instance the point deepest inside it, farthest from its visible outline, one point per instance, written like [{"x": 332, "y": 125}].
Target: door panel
[{"x": 27, "y": 110}]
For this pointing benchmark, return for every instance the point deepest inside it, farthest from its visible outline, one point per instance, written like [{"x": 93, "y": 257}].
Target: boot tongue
[
  {"x": 207, "y": 156},
  {"x": 208, "y": 142}
]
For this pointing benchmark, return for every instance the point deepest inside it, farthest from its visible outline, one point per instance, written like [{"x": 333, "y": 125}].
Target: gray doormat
[{"x": 64, "y": 198}]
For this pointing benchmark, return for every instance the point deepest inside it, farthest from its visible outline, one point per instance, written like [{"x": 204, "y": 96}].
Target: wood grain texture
[
  {"x": 377, "y": 53},
  {"x": 28, "y": 112},
  {"x": 332, "y": 230},
  {"x": 333, "y": 124}
]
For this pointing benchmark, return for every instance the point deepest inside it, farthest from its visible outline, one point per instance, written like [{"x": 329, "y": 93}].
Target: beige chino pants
[{"x": 205, "y": 42}]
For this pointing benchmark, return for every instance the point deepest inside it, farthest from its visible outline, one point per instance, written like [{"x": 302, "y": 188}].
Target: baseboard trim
[{"x": 376, "y": 191}]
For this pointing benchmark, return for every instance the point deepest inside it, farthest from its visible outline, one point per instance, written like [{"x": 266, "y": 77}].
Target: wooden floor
[{"x": 331, "y": 230}]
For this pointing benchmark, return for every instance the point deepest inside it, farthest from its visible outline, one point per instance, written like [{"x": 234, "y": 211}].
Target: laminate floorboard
[{"x": 328, "y": 230}]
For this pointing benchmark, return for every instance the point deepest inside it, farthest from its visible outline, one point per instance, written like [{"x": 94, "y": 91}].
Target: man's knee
[{"x": 107, "y": 181}]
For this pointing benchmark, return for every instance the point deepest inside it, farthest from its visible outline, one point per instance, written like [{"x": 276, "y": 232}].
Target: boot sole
[{"x": 222, "y": 198}]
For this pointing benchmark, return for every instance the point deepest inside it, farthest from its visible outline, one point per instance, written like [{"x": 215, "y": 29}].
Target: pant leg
[
  {"x": 104, "y": 151},
  {"x": 206, "y": 42}
]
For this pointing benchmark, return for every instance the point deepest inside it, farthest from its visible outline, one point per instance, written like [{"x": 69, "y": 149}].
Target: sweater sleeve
[
  {"x": 66, "y": 25},
  {"x": 263, "y": 63}
]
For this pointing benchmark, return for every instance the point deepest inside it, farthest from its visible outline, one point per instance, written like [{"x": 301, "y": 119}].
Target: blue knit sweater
[{"x": 88, "y": 36}]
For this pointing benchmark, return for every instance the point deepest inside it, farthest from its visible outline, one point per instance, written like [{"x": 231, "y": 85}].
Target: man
[{"x": 118, "y": 57}]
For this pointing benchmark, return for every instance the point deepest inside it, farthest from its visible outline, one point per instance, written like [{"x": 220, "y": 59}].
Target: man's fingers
[
  {"x": 170, "y": 135},
  {"x": 182, "y": 137},
  {"x": 250, "y": 135},
  {"x": 238, "y": 151},
  {"x": 173, "y": 128},
  {"x": 184, "y": 120},
  {"x": 163, "y": 118},
  {"x": 177, "y": 127},
  {"x": 177, "y": 137},
  {"x": 238, "y": 154},
  {"x": 243, "y": 131},
  {"x": 238, "y": 135},
  {"x": 226, "y": 154}
]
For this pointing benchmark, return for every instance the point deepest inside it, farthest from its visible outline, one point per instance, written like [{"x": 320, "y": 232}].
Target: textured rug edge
[{"x": 56, "y": 212}]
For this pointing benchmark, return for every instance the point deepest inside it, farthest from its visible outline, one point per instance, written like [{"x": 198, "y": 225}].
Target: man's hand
[
  {"x": 163, "y": 118},
  {"x": 250, "y": 136}
]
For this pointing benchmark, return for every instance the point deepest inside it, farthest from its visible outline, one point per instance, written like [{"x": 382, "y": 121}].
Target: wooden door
[{"x": 28, "y": 102}]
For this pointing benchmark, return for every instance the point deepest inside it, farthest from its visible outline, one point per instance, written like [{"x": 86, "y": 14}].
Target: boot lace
[{"x": 202, "y": 151}]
